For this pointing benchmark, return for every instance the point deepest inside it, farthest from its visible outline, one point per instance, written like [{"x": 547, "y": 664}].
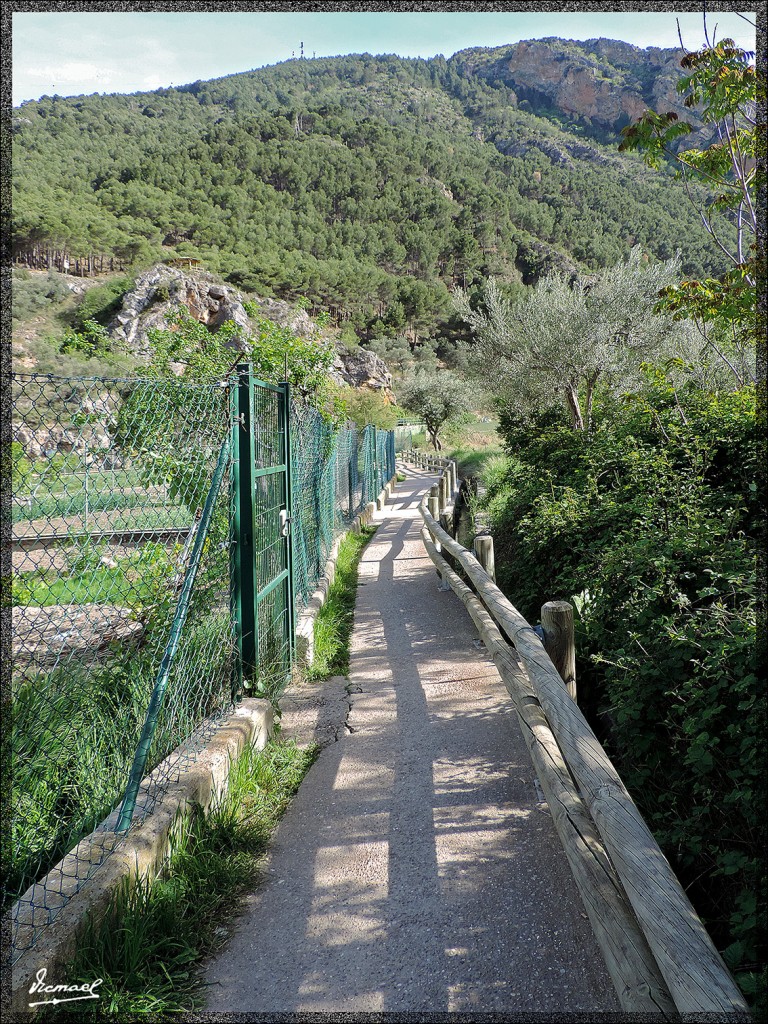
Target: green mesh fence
[
  {"x": 336, "y": 473},
  {"x": 110, "y": 478},
  {"x": 122, "y": 594}
]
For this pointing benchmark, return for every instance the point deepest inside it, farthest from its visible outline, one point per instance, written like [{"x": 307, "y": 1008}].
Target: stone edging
[{"x": 140, "y": 853}]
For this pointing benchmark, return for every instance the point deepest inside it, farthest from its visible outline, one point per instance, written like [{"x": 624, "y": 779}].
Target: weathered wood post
[
  {"x": 483, "y": 549},
  {"x": 446, "y": 521},
  {"x": 433, "y": 507},
  {"x": 454, "y": 476},
  {"x": 559, "y": 643},
  {"x": 445, "y": 489}
]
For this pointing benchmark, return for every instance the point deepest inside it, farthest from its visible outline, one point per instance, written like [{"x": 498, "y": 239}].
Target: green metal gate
[{"x": 261, "y": 560}]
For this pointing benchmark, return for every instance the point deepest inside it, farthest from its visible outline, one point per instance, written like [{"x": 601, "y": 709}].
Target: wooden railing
[{"x": 660, "y": 957}]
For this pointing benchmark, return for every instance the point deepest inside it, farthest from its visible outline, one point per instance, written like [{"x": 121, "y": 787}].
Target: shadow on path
[{"x": 416, "y": 869}]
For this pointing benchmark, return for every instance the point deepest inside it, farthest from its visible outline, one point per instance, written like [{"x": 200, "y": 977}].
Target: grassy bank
[
  {"x": 155, "y": 935},
  {"x": 473, "y": 445},
  {"x": 333, "y": 626}
]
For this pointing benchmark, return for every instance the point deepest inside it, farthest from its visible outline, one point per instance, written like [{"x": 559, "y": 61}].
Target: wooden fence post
[
  {"x": 483, "y": 548},
  {"x": 433, "y": 502},
  {"x": 559, "y": 643},
  {"x": 445, "y": 490}
]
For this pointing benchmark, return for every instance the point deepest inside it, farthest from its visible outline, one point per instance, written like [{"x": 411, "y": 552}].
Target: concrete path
[{"x": 418, "y": 868}]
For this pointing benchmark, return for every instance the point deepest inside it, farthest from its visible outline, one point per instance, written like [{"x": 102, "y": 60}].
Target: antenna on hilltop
[{"x": 302, "y": 50}]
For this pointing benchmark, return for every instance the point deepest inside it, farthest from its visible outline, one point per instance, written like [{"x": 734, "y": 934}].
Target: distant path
[{"x": 417, "y": 868}]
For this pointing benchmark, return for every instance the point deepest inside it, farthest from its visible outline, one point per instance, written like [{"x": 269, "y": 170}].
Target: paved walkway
[{"x": 418, "y": 868}]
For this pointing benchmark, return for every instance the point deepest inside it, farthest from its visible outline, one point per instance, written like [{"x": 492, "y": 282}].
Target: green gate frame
[{"x": 246, "y": 593}]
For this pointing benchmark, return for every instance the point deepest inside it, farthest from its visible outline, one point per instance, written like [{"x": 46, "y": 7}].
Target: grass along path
[
  {"x": 155, "y": 934},
  {"x": 149, "y": 947},
  {"x": 333, "y": 626}
]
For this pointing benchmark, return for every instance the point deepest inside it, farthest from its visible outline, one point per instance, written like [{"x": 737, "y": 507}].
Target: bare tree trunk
[{"x": 572, "y": 398}]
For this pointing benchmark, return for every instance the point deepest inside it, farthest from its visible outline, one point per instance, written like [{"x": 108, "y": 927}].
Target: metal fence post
[
  {"x": 289, "y": 504},
  {"x": 180, "y": 615},
  {"x": 351, "y": 461},
  {"x": 242, "y": 551},
  {"x": 377, "y": 468},
  {"x": 369, "y": 440}
]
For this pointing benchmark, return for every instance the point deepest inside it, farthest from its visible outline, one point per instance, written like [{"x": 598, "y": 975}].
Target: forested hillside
[{"x": 370, "y": 186}]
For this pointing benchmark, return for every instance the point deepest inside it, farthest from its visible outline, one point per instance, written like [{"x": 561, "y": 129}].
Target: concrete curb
[
  {"x": 82, "y": 890},
  {"x": 305, "y": 627}
]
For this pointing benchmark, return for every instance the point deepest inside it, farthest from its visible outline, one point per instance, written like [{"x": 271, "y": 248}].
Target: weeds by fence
[{"x": 110, "y": 480}]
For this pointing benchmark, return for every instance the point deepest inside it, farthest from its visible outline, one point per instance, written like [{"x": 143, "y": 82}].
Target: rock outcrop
[
  {"x": 54, "y": 439},
  {"x": 363, "y": 369},
  {"x": 604, "y": 82},
  {"x": 559, "y": 152},
  {"x": 58, "y": 632},
  {"x": 164, "y": 288}
]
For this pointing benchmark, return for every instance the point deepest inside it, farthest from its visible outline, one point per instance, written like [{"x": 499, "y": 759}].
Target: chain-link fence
[
  {"x": 405, "y": 432},
  {"x": 124, "y": 646},
  {"x": 335, "y": 475},
  {"x": 110, "y": 479}
]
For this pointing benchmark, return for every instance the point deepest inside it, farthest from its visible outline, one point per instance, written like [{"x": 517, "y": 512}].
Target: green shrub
[
  {"x": 365, "y": 406},
  {"x": 32, "y": 293},
  {"x": 90, "y": 341},
  {"x": 101, "y": 302},
  {"x": 649, "y": 525}
]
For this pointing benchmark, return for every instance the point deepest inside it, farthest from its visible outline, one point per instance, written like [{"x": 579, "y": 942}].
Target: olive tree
[
  {"x": 564, "y": 338},
  {"x": 437, "y": 396}
]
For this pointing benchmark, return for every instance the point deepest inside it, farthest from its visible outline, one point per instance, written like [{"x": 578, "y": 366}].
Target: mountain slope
[
  {"x": 601, "y": 83},
  {"x": 368, "y": 185}
]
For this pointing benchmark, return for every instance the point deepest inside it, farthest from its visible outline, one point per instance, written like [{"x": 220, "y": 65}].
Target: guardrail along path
[{"x": 418, "y": 868}]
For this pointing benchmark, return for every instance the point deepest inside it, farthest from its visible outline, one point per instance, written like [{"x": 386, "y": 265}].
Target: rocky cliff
[
  {"x": 162, "y": 288},
  {"x": 603, "y": 82}
]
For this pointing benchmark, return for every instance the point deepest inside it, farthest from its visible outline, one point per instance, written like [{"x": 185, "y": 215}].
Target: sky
[{"x": 72, "y": 53}]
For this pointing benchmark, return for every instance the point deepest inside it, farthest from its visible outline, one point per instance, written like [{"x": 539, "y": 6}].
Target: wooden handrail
[
  {"x": 693, "y": 970},
  {"x": 631, "y": 965}
]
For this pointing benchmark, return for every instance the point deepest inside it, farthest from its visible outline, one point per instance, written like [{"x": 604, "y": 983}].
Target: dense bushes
[
  {"x": 649, "y": 525},
  {"x": 33, "y": 292},
  {"x": 101, "y": 303}
]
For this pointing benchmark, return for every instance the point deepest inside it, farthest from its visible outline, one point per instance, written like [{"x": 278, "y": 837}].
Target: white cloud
[
  {"x": 154, "y": 81},
  {"x": 69, "y": 71}
]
